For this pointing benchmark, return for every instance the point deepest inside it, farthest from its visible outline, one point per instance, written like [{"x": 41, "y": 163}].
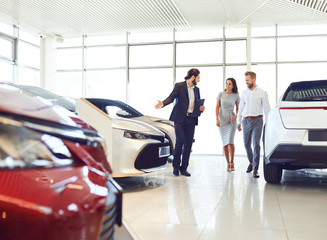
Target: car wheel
[{"x": 272, "y": 172}]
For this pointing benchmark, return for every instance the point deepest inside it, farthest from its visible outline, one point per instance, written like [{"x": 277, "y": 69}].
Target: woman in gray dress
[{"x": 226, "y": 101}]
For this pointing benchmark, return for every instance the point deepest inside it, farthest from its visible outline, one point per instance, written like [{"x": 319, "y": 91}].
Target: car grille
[
  {"x": 149, "y": 157},
  {"x": 109, "y": 220},
  {"x": 112, "y": 212}
]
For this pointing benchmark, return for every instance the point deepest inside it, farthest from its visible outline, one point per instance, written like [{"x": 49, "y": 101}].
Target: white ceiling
[{"x": 93, "y": 17}]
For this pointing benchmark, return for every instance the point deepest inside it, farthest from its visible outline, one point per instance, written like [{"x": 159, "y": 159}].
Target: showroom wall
[
  {"x": 140, "y": 68},
  {"x": 19, "y": 55}
]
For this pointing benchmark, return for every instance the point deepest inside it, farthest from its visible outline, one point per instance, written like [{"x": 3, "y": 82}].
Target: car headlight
[{"x": 135, "y": 135}]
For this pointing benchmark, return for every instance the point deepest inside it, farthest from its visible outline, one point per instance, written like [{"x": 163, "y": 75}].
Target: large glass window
[
  {"x": 27, "y": 76},
  {"x": 70, "y": 42},
  {"x": 69, "y": 59},
  {"x": 235, "y": 32},
  {"x": 147, "y": 86},
  {"x": 199, "y": 53},
  {"x": 263, "y": 50},
  {"x": 103, "y": 40},
  {"x": 266, "y": 80},
  {"x": 109, "y": 84},
  {"x": 141, "y": 37},
  {"x": 199, "y": 34},
  {"x": 151, "y": 55},
  {"x": 6, "y": 28},
  {"x": 6, "y": 70},
  {"x": 29, "y": 37},
  {"x": 105, "y": 57},
  {"x": 302, "y": 49},
  {"x": 68, "y": 84},
  {"x": 28, "y": 55},
  {"x": 295, "y": 72},
  {"x": 262, "y": 31},
  {"x": 207, "y": 137},
  {"x": 302, "y": 29},
  {"x": 236, "y": 51},
  {"x": 6, "y": 48}
]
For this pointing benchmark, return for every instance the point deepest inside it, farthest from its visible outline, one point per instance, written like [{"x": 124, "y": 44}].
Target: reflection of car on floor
[
  {"x": 295, "y": 134},
  {"x": 117, "y": 108},
  {"x": 137, "y": 146},
  {"x": 52, "y": 185}
]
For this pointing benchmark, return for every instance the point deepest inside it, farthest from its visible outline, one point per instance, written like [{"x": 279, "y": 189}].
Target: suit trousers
[
  {"x": 252, "y": 129},
  {"x": 184, "y": 139}
]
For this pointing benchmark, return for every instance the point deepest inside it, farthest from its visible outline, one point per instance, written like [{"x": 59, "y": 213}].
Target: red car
[{"x": 55, "y": 182}]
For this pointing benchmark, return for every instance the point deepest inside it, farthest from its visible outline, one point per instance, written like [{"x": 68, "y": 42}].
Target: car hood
[
  {"x": 150, "y": 119},
  {"x": 134, "y": 125}
]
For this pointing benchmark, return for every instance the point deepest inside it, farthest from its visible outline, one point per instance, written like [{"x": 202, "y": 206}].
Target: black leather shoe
[
  {"x": 176, "y": 172},
  {"x": 249, "y": 169},
  {"x": 256, "y": 174},
  {"x": 186, "y": 173}
]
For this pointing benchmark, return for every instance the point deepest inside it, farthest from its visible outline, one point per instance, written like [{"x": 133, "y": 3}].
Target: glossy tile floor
[{"x": 215, "y": 204}]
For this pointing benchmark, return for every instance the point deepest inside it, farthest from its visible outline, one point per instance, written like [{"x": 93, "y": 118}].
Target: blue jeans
[{"x": 252, "y": 129}]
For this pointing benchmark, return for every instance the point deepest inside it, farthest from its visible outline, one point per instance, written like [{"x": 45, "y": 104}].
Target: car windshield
[
  {"x": 65, "y": 102},
  {"x": 306, "y": 91},
  {"x": 132, "y": 111},
  {"x": 21, "y": 147}
]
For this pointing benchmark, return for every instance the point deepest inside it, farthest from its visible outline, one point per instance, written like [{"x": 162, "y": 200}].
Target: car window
[
  {"x": 306, "y": 91},
  {"x": 114, "y": 111}
]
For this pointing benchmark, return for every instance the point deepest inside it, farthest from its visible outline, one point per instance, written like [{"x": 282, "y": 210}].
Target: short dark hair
[
  {"x": 234, "y": 89},
  {"x": 192, "y": 72},
  {"x": 252, "y": 74}
]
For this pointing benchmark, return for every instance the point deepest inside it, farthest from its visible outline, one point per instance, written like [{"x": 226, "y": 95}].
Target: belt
[
  {"x": 188, "y": 114},
  {"x": 252, "y": 117}
]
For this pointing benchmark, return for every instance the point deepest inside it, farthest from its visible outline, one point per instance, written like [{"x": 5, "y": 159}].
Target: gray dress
[{"x": 226, "y": 111}]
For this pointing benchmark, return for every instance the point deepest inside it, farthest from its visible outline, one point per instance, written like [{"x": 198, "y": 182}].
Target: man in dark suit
[{"x": 186, "y": 94}]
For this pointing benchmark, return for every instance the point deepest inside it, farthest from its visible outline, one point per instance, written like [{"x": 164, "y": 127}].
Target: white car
[
  {"x": 120, "y": 109},
  {"x": 295, "y": 133}
]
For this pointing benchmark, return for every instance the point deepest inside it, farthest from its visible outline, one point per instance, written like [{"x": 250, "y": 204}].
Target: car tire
[{"x": 272, "y": 173}]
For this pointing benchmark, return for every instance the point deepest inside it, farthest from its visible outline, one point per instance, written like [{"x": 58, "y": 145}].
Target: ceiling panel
[{"x": 90, "y": 17}]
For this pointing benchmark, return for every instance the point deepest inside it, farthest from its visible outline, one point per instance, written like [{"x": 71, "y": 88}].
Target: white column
[
  {"x": 248, "y": 48},
  {"x": 48, "y": 66}
]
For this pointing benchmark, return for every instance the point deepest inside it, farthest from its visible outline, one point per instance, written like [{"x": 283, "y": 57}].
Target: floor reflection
[
  {"x": 140, "y": 183},
  {"x": 216, "y": 204}
]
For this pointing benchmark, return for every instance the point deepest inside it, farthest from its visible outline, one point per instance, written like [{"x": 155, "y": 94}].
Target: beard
[
  {"x": 250, "y": 85},
  {"x": 194, "y": 82}
]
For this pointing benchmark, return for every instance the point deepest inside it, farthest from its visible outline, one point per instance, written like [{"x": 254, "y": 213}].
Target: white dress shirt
[
  {"x": 253, "y": 103},
  {"x": 191, "y": 98}
]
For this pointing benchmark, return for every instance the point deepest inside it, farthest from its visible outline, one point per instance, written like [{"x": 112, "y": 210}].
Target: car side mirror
[{"x": 122, "y": 113}]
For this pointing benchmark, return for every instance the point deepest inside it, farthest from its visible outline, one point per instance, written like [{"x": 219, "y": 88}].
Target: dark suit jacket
[{"x": 180, "y": 93}]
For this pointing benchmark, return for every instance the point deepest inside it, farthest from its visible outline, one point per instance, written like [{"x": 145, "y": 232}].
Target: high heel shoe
[
  {"x": 229, "y": 167},
  {"x": 232, "y": 167}
]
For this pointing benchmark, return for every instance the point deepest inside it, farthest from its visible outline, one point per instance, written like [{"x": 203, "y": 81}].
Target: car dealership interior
[{"x": 79, "y": 82}]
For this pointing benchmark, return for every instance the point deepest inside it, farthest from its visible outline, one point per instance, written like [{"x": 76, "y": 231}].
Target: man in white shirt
[{"x": 254, "y": 101}]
